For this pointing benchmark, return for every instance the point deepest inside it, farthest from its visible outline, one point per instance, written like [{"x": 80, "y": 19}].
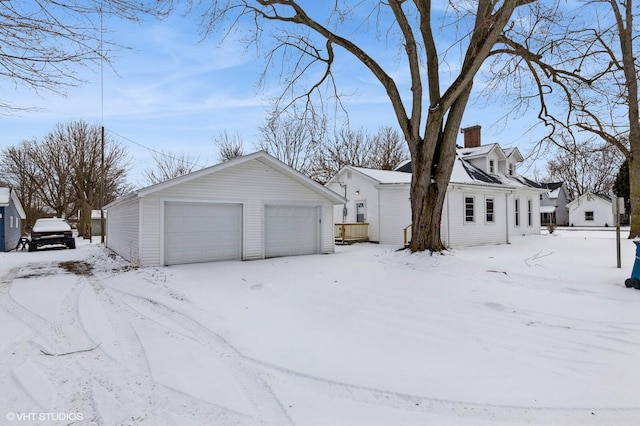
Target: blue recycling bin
[{"x": 634, "y": 281}]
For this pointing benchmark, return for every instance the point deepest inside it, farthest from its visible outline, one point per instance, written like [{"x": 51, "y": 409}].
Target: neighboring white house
[
  {"x": 251, "y": 207},
  {"x": 553, "y": 204},
  {"x": 591, "y": 210},
  {"x": 486, "y": 201}
]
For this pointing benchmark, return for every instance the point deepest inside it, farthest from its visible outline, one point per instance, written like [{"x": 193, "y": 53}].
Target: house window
[
  {"x": 517, "y": 211},
  {"x": 540, "y": 197},
  {"x": 511, "y": 169},
  {"x": 489, "y": 209},
  {"x": 492, "y": 166},
  {"x": 468, "y": 209},
  {"x": 530, "y": 212},
  {"x": 588, "y": 216},
  {"x": 10, "y": 221}
]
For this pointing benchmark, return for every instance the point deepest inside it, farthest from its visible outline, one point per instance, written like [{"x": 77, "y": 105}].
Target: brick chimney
[{"x": 471, "y": 136}]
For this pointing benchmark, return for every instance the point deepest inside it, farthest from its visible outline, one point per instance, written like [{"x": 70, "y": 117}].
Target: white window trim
[
  {"x": 464, "y": 209},
  {"x": 355, "y": 210},
  {"x": 516, "y": 210},
  {"x": 493, "y": 213}
]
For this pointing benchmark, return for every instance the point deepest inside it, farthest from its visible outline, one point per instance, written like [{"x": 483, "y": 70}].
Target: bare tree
[
  {"x": 169, "y": 165},
  {"x": 21, "y": 173},
  {"x": 389, "y": 150},
  {"x": 43, "y": 42},
  {"x": 586, "y": 168},
  {"x": 429, "y": 112},
  {"x": 384, "y": 150},
  {"x": 229, "y": 146},
  {"x": 61, "y": 173},
  {"x": 292, "y": 138},
  {"x": 585, "y": 74}
]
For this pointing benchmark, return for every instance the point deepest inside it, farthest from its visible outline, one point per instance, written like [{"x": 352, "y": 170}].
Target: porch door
[{"x": 360, "y": 211}]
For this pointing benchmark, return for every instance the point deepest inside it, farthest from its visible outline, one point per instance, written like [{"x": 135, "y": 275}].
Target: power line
[{"x": 155, "y": 151}]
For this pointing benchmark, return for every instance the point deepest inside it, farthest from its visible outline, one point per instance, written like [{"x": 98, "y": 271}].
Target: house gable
[
  {"x": 591, "y": 210},
  {"x": 259, "y": 156}
]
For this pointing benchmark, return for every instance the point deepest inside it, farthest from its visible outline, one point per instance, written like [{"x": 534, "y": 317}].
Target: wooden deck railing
[
  {"x": 351, "y": 232},
  {"x": 407, "y": 236}
]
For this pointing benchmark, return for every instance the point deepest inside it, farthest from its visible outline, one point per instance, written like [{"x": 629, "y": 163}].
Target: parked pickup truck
[{"x": 51, "y": 231}]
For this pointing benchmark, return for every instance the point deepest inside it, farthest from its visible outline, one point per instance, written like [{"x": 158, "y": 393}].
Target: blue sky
[{"x": 172, "y": 92}]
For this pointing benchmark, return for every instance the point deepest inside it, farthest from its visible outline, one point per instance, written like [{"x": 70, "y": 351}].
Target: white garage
[{"x": 251, "y": 207}]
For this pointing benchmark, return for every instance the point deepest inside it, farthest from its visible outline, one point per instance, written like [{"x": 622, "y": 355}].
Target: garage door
[
  {"x": 292, "y": 230},
  {"x": 202, "y": 232}
]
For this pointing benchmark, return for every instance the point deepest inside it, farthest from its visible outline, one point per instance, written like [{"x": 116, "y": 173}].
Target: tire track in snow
[
  {"x": 521, "y": 414},
  {"x": 14, "y": 355},
  {"x": 72, "y": 392},
  {"x": 128, "y": 377},
  {"x": 267, "y": 408}
]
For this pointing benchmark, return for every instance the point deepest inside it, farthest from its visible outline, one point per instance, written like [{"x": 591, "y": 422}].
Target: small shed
[
  {"x": 251, "y": 207},
  {"x": 96, "y": 222},
  {"x": 591, "y": 210},
  {"x": 11, "y": 217}
]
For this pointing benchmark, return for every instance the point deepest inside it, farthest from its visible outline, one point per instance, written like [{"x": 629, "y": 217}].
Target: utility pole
[{"x": 102, "y": 189}]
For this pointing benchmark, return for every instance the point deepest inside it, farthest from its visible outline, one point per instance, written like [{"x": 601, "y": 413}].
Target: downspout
[
  {"x": 379, "y": 215},
  {"x": 506, "y": 210},
  {"x": 448, "y": 218}
]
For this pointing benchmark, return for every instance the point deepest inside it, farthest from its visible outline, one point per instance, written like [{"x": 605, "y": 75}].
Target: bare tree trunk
[
  {"x": 626, "y": 34},
  {"x": 432, "y": 161},
  {"x": 84, "y": 226}
]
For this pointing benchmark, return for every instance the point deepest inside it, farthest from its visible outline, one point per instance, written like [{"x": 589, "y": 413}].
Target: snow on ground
[{"x": 540, "y": 331}]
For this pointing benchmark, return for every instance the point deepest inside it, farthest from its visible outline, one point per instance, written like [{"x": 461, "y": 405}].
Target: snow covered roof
[
  {"x": 6, "y": 195},
  {"x": 463, "y": 173},
  {"x": 547, "y": 209},
  {"x": 513, "y": 153},
  {"x": 480, "y": 151},
  {"x": 590, "y": 197},
  {"x": 553, "y": 187},
  {"x": 96, "y": 214},
  {"x": 384, "y": 176}
]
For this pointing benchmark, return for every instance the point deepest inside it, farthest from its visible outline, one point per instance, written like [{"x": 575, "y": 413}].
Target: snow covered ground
[{"x": 541, "y": 331}]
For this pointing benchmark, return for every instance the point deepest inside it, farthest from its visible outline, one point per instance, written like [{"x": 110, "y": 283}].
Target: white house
[
  {"x": 591, "y": 210},
  {"x": 251, "y": 207},
  {"x": 486, "y": 201},
  {"x": 553, "y": 204}
]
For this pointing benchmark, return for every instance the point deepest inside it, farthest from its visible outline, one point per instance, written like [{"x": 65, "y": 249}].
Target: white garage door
[
  {"x": 202, "y": 232},
  {"x": 292, "y": 230}
]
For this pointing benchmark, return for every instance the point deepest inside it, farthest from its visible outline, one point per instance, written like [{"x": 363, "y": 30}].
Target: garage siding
[
  {"x": 123, "y": 229},
  {"x": 150, "y": 231},
  {"x": 252, "y": 184}
]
